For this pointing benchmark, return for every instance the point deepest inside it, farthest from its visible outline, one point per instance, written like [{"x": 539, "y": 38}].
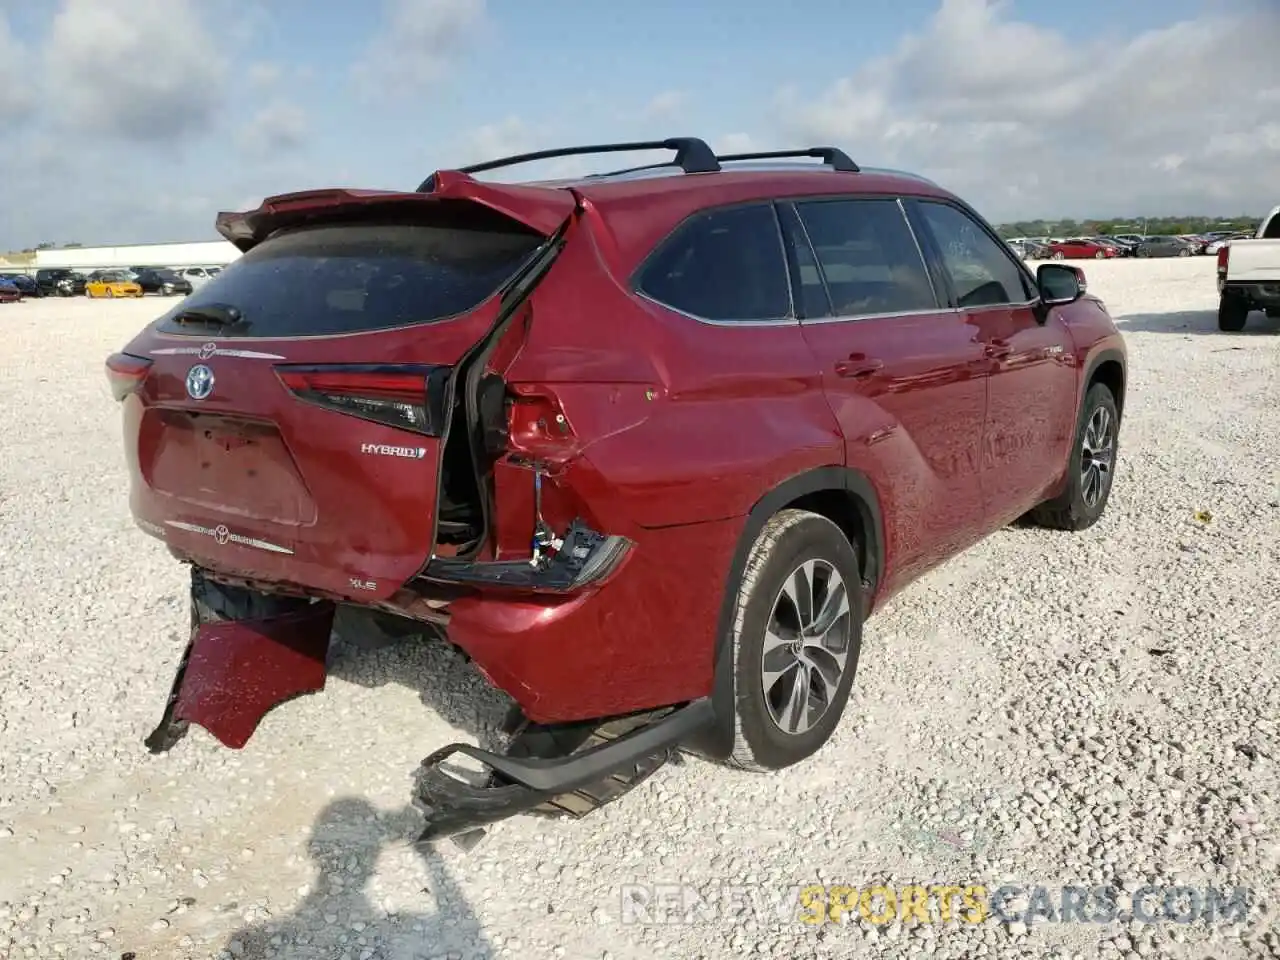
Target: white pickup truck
[{"x": 1249, "y": 275}]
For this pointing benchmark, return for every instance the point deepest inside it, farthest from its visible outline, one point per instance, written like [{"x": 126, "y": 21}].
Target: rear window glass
[{"x": 345, "y": 278}]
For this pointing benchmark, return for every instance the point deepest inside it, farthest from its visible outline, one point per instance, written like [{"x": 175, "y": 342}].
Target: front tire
[
  {"x": 1091, "y": 469},
  {"x": 1232, "y": 314},
  {"x": 797, "y": 634},
  {"x": 1059, "y": 255}
]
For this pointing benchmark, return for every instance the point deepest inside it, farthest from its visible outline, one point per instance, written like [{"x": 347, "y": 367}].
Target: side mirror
[{"x": 1060, "y": 284}]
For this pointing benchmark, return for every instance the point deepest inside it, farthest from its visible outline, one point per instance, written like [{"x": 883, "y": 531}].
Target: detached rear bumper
[
  {"x": 574, "y": 784},
  {"x": 234, "y": 671}
]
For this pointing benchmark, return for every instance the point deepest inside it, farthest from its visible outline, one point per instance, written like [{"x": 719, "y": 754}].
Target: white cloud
[
  {"x": 1024, "y": 122},
  {"x": 278, "y": 127},
  {"x": 16, "y": 94},
  {"x": 735, "y": 143},
  {"x": 416, "y": 45},
  {"x": 664, "y": 106},
  {"x": 155, "y": 78},
  {"x": 264, "y": 74}
]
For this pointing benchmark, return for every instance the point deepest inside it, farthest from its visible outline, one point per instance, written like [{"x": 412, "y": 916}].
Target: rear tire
[
  {"x": 1059, "y": 255},
  {"x": 1232, "y": 313},
  {"x": 1091, "y": 469},
  {"x": 1100, "y": 255},
  {"x": 1184, "y": 252},
  {"x": 800, "y": 563}
]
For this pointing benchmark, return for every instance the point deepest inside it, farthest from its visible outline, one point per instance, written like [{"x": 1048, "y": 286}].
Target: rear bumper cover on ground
[
  {"x": 234, "y": 671},
  {"x": 519, "y": 784}
]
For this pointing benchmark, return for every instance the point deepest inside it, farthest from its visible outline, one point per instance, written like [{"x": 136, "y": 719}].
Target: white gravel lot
[{"x": 1047, "y": 709}]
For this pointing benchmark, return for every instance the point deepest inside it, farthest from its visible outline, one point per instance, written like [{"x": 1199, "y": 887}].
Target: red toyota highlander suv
[{"x": 647, "y": 446}]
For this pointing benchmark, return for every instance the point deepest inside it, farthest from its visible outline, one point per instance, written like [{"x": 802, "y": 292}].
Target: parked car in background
[
  {"x": 1029, "y": 249},
  {"x": 163, "y": 281},
  {"x": 1121, "y": 249},
  {"x": 197, "y": 276},
  {"x": 1219, "y": 242},
  {"x": 1125, "y": 244},
  {"x": 1163, "y": 247},
  {"x": 1081, "y": 248},
  {"x": 59, "y": 282},
  {"x": 9, "y": 292},
  {"x": 1249, "y": 275},
  {"x": 1195, "y": 242},
  {"x": 111, "y": 283},
  {"x": 428, "y": 392},
  {"x": 26, "y": 285}
]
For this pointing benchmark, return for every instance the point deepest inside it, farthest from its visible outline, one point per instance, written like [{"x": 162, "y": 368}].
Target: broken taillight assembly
[
  {"x": 401, "y": 396},
  {"x": 126, "y": 373}
]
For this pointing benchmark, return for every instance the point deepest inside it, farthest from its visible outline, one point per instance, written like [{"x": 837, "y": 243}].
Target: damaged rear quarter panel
[{"x": 644, "y": 639}]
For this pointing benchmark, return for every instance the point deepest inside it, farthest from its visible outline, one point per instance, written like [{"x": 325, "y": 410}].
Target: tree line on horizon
[{"x": 1148, "y": 226}]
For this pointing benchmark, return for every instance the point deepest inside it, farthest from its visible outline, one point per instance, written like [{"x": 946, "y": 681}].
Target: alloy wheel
[
  {"x": 806, "y": 646},
  {"x": 1097, "y": 455}
]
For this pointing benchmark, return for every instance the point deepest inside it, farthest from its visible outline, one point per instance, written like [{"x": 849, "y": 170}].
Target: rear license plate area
[{"x": 230, "y": 465}]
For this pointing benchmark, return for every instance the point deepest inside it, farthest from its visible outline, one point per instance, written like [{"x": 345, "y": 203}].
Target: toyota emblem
[
  {"x": 199, "y": 382},
  {"x": 207, "y": 350},
  {"x": 221, "y": 534}
]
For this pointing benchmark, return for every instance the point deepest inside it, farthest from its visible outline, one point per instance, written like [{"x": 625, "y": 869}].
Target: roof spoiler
[{"x": 538, "y": 208}]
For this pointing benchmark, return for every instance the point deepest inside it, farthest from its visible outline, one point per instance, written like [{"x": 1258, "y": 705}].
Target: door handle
[
  {"x": 998, "y": 349},
  {"x": 857, "y": 367}
]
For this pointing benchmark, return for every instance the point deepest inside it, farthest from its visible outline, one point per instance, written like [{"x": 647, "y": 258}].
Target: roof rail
[
  {"x": 833, "y": 157},
  {"x": 692, "y": 155}
]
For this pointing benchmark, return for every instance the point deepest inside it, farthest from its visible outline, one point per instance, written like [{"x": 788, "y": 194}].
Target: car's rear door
[
  {"x": 903, "y": 372},
  {"x": 1031, "y": 406}
]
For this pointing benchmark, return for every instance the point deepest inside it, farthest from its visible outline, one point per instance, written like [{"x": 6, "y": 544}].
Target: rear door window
[
  {"x": 867, "y": 257},
  {"x": 726, "y": 265},
  {"x": 353, "y": 277}
]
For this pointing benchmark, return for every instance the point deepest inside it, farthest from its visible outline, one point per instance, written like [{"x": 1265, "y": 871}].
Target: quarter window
[
  {"x": 867, "y": 256},
  {"x": 725, "y": 265},
  {"x": 981, "y": 272}
]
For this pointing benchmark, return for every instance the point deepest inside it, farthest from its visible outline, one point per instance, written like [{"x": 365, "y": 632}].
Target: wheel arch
[
  {"x": 847, "y": 498},
  {"x": 1108, "y": 368}
]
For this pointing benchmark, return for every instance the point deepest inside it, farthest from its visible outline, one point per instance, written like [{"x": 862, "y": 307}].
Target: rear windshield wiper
[{"x": 216, "y": 315}]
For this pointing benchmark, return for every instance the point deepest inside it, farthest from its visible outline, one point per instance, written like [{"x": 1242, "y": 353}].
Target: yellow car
[{"x": 111, "y": 283}]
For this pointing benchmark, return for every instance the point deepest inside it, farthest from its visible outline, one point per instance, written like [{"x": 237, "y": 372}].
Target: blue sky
[{"x": 124, "y": 126}]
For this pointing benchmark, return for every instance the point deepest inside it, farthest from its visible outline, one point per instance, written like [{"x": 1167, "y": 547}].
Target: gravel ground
[{"x": 1047, "y": 709}]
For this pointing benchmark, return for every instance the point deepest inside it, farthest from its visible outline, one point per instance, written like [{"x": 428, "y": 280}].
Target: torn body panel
[{"x": 234, "y": 671}]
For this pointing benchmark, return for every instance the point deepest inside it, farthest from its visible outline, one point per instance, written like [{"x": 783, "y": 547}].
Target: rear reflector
[
  {"x": 406, "y": 397},
  {"x": 126, "y": 373}
]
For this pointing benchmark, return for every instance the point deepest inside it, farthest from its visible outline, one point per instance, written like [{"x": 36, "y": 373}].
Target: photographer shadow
[{"x": 338, "y": 918}]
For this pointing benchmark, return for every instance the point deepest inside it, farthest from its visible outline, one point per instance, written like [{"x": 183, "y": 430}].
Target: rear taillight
[
  {"x": 406, "y": 397},
  {"x": 1224, "y": 252},
  {"x": 126, "y": 373}
]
